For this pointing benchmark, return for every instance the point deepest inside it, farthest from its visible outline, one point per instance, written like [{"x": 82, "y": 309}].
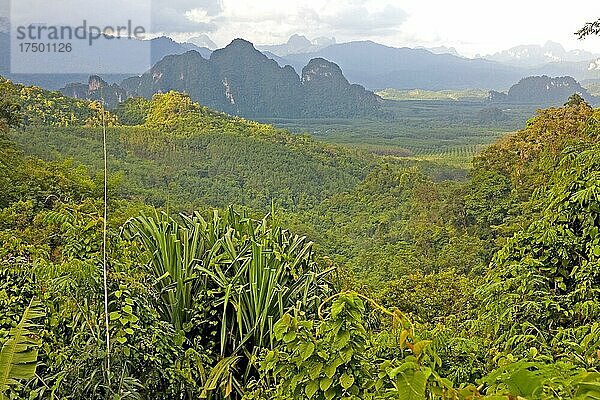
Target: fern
[{"x": 18, "y": 358}]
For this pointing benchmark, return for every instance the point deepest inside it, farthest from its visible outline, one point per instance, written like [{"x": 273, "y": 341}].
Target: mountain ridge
[
  {"x": 379, "y": 66},
  {"x": 543, "y": 90},
  {"x": 539, "y": 55},
  {"x": 159, "y": 48},
  {"x": 240, "y": 80}
]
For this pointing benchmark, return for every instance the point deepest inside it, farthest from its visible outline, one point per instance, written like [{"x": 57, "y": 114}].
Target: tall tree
[{"x": 10, "y": 115}]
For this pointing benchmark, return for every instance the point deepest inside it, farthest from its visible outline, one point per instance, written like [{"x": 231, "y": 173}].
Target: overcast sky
[{"x": 472, "y": 26}]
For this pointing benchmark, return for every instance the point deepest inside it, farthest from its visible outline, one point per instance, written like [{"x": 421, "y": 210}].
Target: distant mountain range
[
  {"x": 441, "y": 50},
  {"x": 240, "y": 80},
  {"x": 159, "y": 48},
  {"x": 301, "y": 44},
  {"x": 203, "y": 41},
  {"x": 537, "y": 56},
  {"x": 377, "y": 67},
  {"x": 542, "y": 90},
  {"x": 297, "y": 44}
]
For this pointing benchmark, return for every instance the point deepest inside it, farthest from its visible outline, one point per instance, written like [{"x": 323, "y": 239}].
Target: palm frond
[{"x": 18, "y": 357}]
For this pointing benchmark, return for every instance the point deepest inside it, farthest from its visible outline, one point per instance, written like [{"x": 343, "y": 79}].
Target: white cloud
[
  {"x": 472, "y": 26},
  {"x": 475, "y": 26},
  {"x": 199, "y": 16},
  {"x": 273, "y": 21}
]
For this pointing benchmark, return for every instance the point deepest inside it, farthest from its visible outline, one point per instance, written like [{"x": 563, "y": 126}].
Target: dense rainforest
[{"x": 247, "y": 262}]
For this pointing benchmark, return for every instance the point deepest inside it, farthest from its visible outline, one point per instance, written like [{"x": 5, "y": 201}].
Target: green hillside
[
  {"x": 186, "y": 156},
  {"x": 336, "y": 274},
  {"x": 44, "y": 108}
]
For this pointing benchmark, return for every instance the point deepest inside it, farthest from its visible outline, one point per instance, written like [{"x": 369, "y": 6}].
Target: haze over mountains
[
  {"x": 536, "y": 55},
  {"x": 298, "y": 44},
  {"x": 159, "y": 48},
  {"x": 377, "y": 66},
  {"x": 240, "y": 80}
]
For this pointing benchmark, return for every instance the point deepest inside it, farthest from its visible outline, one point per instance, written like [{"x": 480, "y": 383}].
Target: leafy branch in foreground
[
  {"x": 338, "y": 358},
  {"x": 18, "y": 358},
  {"x": 590, "y": 28}
]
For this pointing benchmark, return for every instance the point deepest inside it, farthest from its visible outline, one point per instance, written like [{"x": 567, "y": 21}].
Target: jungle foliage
[{"x": 249, "y": 263}]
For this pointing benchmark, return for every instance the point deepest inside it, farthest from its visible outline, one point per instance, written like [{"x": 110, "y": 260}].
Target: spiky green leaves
[{"x": 18, "y": 357}]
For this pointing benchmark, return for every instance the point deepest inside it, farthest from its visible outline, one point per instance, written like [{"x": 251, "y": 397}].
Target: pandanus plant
[{"x": 259, "y": 272}]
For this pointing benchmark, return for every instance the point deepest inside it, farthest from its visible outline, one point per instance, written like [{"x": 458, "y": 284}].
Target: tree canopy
[{"x": 336, "y": 275}]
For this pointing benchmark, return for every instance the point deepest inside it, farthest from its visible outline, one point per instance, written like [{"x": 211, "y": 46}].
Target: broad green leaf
[
  {"x": 306, "y": 350},
  {"x": 346, "y": 381},
  {"x": 18, "y": 357},
  {"x": 311, "y": 388},
  {"x": 114, "y": 315},
  {"x": 315, "y": 370},
  {"x": 325, "y": 383},
  {"x": 341, "y": 339}
]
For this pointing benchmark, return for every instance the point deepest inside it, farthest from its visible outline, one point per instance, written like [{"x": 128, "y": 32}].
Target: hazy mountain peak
[
  {"x": 203, "y": 41},
  {"x": 324, "y": 41},
  {"x": 299, "y": 41},
  {"x": 536, "y": 55},
  {"x": 239, "y": 42},
  {"x": 297, "y": 44},
  {"x": 554, "y": 46},
  {"x": 237, "y": 47},
  {"x": 441, "y": 50}
]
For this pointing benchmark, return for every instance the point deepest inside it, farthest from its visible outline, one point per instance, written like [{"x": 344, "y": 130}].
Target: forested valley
[{"x": 245, "y": 262}]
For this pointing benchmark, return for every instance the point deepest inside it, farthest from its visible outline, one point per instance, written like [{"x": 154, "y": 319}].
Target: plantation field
[
  {"x": 427, "y": 95},
  {"x": 448, "y": 131}
]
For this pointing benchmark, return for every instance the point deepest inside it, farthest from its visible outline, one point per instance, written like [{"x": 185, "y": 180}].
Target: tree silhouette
[
  {"x": 575, "y": 100},
  {"x": 590, "y": 28}
]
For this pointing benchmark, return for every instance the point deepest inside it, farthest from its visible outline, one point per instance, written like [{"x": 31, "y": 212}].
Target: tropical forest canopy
[{"x": 247, "y": 262}]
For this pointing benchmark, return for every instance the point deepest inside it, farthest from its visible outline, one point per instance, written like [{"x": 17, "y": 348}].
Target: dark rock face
[
  {"x": 253, "y": 84},
  {"x": 320, "y": 70},
  {"x": 96, "y": 89},
  {"x": 542, "y": 90},
  {"x": 239, "y": 79},
  {"x": 190, "y": 73},
  {"x": 328, "y": 92}
]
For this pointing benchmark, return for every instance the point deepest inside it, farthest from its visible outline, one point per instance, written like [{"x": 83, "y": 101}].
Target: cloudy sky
[{"x": 472, "y": 26}]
